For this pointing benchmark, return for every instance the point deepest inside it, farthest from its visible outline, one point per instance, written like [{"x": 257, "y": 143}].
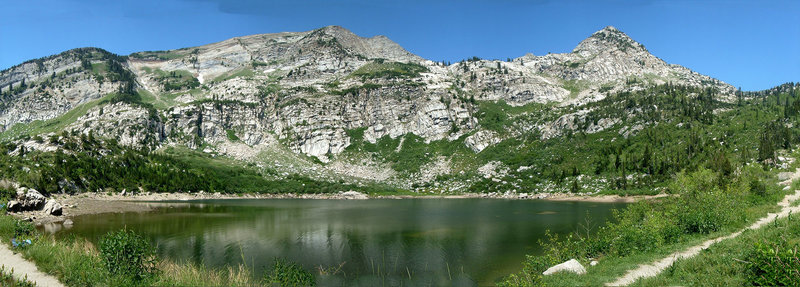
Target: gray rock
[
  {"x": 68, "y": 222},
  {"x": 67, "y": 186},
  {"x": 354, "y": 195},
  {"x": 13, "y": 206},
  {"x": 571, "y": 265},
  {"x": 52, "y": 207},
  {"x": 481, "y": 140},
  {"x": 29, "y": 199}
]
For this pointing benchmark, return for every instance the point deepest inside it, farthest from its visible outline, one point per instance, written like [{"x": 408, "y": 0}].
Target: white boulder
[
  {"x": 52, "y": 207},
  {"x": 570, "y": 266}
]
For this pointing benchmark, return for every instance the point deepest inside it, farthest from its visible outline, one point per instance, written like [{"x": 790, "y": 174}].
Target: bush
[
  {"x": 23, "y": 228},
  {"x": 557, "y": 249},
  {"x": 127, "y": 255},
  {"x": 286, "y": 273},
  {"x": 774, "y": 265}
]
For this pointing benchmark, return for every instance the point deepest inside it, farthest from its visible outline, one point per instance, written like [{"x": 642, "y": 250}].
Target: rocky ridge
[{"x": 312, "y": 92}]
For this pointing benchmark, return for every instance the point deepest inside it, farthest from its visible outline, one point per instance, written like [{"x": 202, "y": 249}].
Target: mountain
[{"x": 329, "y": 103}]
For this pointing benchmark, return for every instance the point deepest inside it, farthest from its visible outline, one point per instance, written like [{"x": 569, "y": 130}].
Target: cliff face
[{"x": 311, "y": 92}]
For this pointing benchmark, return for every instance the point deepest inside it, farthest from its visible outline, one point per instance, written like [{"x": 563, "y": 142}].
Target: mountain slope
[{"x": 339, "y": 98}]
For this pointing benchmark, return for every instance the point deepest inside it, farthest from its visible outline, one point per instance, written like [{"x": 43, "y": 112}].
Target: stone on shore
[
  {"x": 13, "y": 206},
  {"x": 27, "y": 199},
  {"x": 570, "y": 266},
  {"x": 354, "y": 195},
  {"x": 52, "y": 207}
]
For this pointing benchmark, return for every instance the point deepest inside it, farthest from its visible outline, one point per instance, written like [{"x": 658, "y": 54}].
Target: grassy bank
[
  {"x": 77, "y": 262},
  {"x": 766, "y": 256},
  {"x": 709, "y": 205}
]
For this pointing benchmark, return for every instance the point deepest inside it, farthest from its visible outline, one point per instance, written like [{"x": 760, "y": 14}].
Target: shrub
[
  {"x": 23, "y": 228},
  {"x": 232, "y": 135},
  {"x": 757, "y": 187},
  {"x": 127, "y": 255},
  {"x": 774, "y": 265},
  {"x": 556, "y": 250},
  {"x": 286, "y": 273}
]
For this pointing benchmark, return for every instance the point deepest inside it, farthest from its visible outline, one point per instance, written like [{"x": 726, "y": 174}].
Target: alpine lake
[{"x": 375, "y": 242}]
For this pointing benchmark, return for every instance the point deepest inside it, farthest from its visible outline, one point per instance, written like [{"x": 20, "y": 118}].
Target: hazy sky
[{"x": 750, "y": 44}]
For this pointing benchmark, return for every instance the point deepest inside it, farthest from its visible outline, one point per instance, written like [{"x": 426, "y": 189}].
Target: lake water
[{"x": 377, "y": 242}]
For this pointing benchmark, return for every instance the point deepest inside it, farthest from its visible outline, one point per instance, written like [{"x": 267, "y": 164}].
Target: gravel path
[
  {"x": 24, "y": 268},
  {"x": 655, "y": 268}
]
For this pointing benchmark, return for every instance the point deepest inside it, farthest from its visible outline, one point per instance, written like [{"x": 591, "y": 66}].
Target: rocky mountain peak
[
  {"x": 376, "y": 47},
  {"x": 607, "y": 39}
]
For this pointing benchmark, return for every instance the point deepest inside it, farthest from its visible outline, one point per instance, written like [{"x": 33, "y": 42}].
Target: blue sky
[{"x": 750, "y": 44}]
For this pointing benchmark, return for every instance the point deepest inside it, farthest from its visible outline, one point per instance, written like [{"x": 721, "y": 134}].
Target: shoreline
[{"x": 98, "y": 203}]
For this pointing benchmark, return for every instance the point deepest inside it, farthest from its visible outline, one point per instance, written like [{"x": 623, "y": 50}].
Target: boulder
[
  {"x": 13, "y": 206},
  {"x": 68, "y": 222},
  {"x": 354, "y": 195},
  {"x": 52, "y": 207},
  {"x": 570, "y": 266},
  {"x": 27, "y": 199},
  {"x": 68, "y": 186}
]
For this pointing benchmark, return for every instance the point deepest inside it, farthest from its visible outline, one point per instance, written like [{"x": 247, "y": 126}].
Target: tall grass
[
  {"x": 77, "y": 262},
  {"x": 7, "y": 279}
]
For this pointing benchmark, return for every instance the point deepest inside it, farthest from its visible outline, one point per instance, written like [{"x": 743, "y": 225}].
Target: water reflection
[{"x": 376, "y": 242}]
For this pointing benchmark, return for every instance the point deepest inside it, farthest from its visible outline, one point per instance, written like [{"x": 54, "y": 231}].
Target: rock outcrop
[
  {"x": 571, "y": 265},
  {"x": 27, "y": 199},
  {"x": 316, "y": 91},
  {"x": 52, "y": 207}
]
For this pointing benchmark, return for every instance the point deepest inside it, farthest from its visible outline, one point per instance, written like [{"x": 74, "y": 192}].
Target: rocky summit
[{"x": 330, "y": 103}]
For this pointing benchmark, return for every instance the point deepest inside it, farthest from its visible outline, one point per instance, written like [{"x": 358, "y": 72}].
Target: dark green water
[{"x": 377, "y": 242}]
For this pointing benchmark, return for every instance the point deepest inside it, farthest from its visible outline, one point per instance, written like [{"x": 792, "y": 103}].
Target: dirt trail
[
  {"x": 655, "y": 268},
  {"x": 24, "y": 268}
]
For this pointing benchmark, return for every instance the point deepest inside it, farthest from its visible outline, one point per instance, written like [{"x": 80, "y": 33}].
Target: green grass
[
  {"x": 498, "y": 115},
  {"x": 574, "y": 87},
  {"x": 162, "y": 102},
  {"x": 726, "y": 263},
  {"x": 609, "y": 269},
  {"x": 76, "y": 262},
  {"x": 7, "y": 279},
  {"x": 176, "y": 80},
  {"x": 157, "y": 55},
  {"x": 245, "y": 72},
  {"x": 232, "y": 135},
  {"x": 389, "y": 70},
  {"x": 648, "y": 231},
  {"x": 408, "y": 153}
]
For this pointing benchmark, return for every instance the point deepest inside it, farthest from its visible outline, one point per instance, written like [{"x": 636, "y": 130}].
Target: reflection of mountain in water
[{"x": 478, "y": 240}]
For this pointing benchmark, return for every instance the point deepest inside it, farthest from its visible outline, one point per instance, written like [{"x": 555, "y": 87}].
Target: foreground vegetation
[
  {"x": 724, "y": 168},
  {"x": 646, "y": 231},
  {"x": 764, "y": 257},
  {"x": 6, "y": 279},
  {"x": 124, "y": 258}
]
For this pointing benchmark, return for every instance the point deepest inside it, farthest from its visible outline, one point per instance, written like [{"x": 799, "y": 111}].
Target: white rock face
[
  {"x": 571, "y": 265},
  {"x": 311, "y": 90},
  {"x": 481, "y": 140}
]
